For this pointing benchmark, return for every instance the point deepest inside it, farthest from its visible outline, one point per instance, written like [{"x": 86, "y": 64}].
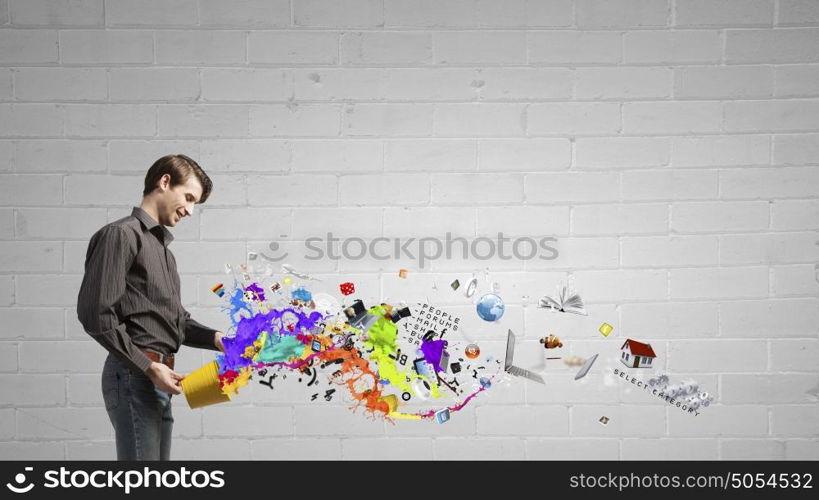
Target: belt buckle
[{"x": 161, "y": 358}]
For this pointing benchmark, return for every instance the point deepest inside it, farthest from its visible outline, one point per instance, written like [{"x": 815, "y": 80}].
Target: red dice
[{"x": 347, "y": 288}]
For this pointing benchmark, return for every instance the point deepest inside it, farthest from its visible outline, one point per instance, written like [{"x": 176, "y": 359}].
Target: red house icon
[{"x": 636, "y": 354}]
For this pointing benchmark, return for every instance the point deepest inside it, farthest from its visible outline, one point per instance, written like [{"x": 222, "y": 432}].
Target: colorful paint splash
[{"x": 379, "y": 368}]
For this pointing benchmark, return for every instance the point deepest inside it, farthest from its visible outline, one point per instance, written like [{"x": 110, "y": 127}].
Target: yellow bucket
[{"x": 201, "y": 387}]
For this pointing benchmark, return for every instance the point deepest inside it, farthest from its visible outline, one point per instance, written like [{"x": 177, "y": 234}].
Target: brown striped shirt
[{"x": 129, "y": 297}]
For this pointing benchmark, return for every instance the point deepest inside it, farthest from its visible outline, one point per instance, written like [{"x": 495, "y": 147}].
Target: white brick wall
[{"x": 672, "y": 147}]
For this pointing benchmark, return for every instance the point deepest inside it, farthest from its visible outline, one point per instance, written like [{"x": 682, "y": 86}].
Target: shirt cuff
[{"x": 141, "y": 362}]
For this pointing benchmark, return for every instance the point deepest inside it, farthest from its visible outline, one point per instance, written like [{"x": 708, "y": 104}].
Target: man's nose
[{"x": 189, "y": 209}]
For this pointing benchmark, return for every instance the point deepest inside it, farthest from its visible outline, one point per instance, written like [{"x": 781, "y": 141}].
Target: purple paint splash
[
  {"x": 249, "y": 329},
  {"x": 433, "y": 351},
  {"x": 256, "y": 290}
]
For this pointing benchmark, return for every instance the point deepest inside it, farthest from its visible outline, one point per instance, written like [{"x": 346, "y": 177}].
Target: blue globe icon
[{"x": 490, "y": 307}]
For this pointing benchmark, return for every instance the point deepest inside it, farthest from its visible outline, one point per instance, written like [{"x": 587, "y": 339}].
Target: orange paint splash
[{"x": 354, "y": 372}]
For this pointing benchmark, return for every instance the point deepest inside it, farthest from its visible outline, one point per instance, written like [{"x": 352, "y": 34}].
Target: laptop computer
[
  {"x": 358, "y": 317},
  {"x": 514, "y": 370},
  {"x": 586, "y": 367}
]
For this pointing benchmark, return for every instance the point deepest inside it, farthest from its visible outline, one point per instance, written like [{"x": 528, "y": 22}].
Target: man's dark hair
[{"x": 180, "y": 168}]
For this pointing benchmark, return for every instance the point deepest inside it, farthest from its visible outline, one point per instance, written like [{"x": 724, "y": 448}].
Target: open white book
[{"x": 566, "y": 301}]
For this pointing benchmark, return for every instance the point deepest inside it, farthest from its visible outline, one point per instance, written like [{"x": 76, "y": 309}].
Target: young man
[{"x": 129, "y": 302}]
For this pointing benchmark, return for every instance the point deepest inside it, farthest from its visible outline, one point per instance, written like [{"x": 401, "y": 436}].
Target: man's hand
[
  {"x": 217, "y": 341},
  {"x": 164, "y": 378}
]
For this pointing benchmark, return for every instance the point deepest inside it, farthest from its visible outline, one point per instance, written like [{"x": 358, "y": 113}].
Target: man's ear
[{"x": 164, "y": 182}]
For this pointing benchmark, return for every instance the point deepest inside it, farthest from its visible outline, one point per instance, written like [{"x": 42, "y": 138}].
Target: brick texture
[{"x": 670, "y": 146}]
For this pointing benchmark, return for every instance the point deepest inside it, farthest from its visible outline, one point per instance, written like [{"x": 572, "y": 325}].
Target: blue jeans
[{"x": 140, "y": 413}]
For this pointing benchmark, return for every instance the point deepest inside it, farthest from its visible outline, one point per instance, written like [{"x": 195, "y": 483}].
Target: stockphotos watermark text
[
  {"x": 125, "y": 480},
  {"x": 424, "y": 250}
]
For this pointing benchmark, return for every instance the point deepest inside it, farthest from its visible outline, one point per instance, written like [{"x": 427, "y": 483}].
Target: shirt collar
[{"x": 150, "y": 223}]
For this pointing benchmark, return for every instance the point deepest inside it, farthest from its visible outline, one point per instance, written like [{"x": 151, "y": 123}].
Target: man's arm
[
  {"x": 200, "y": 336},
  {"x": 110, "y": 254}
]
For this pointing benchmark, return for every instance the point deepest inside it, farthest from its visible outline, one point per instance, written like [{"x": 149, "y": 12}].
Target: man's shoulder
[
  {"x": 127, "y": 222},
  {"x": 128, "y": 226}
]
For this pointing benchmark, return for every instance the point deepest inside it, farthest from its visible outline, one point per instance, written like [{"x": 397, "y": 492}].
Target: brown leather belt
[{"x": 166, "y": 360}]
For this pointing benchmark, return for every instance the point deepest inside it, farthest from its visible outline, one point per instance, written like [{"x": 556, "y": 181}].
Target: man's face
[{"x": 177, "y": 202}]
